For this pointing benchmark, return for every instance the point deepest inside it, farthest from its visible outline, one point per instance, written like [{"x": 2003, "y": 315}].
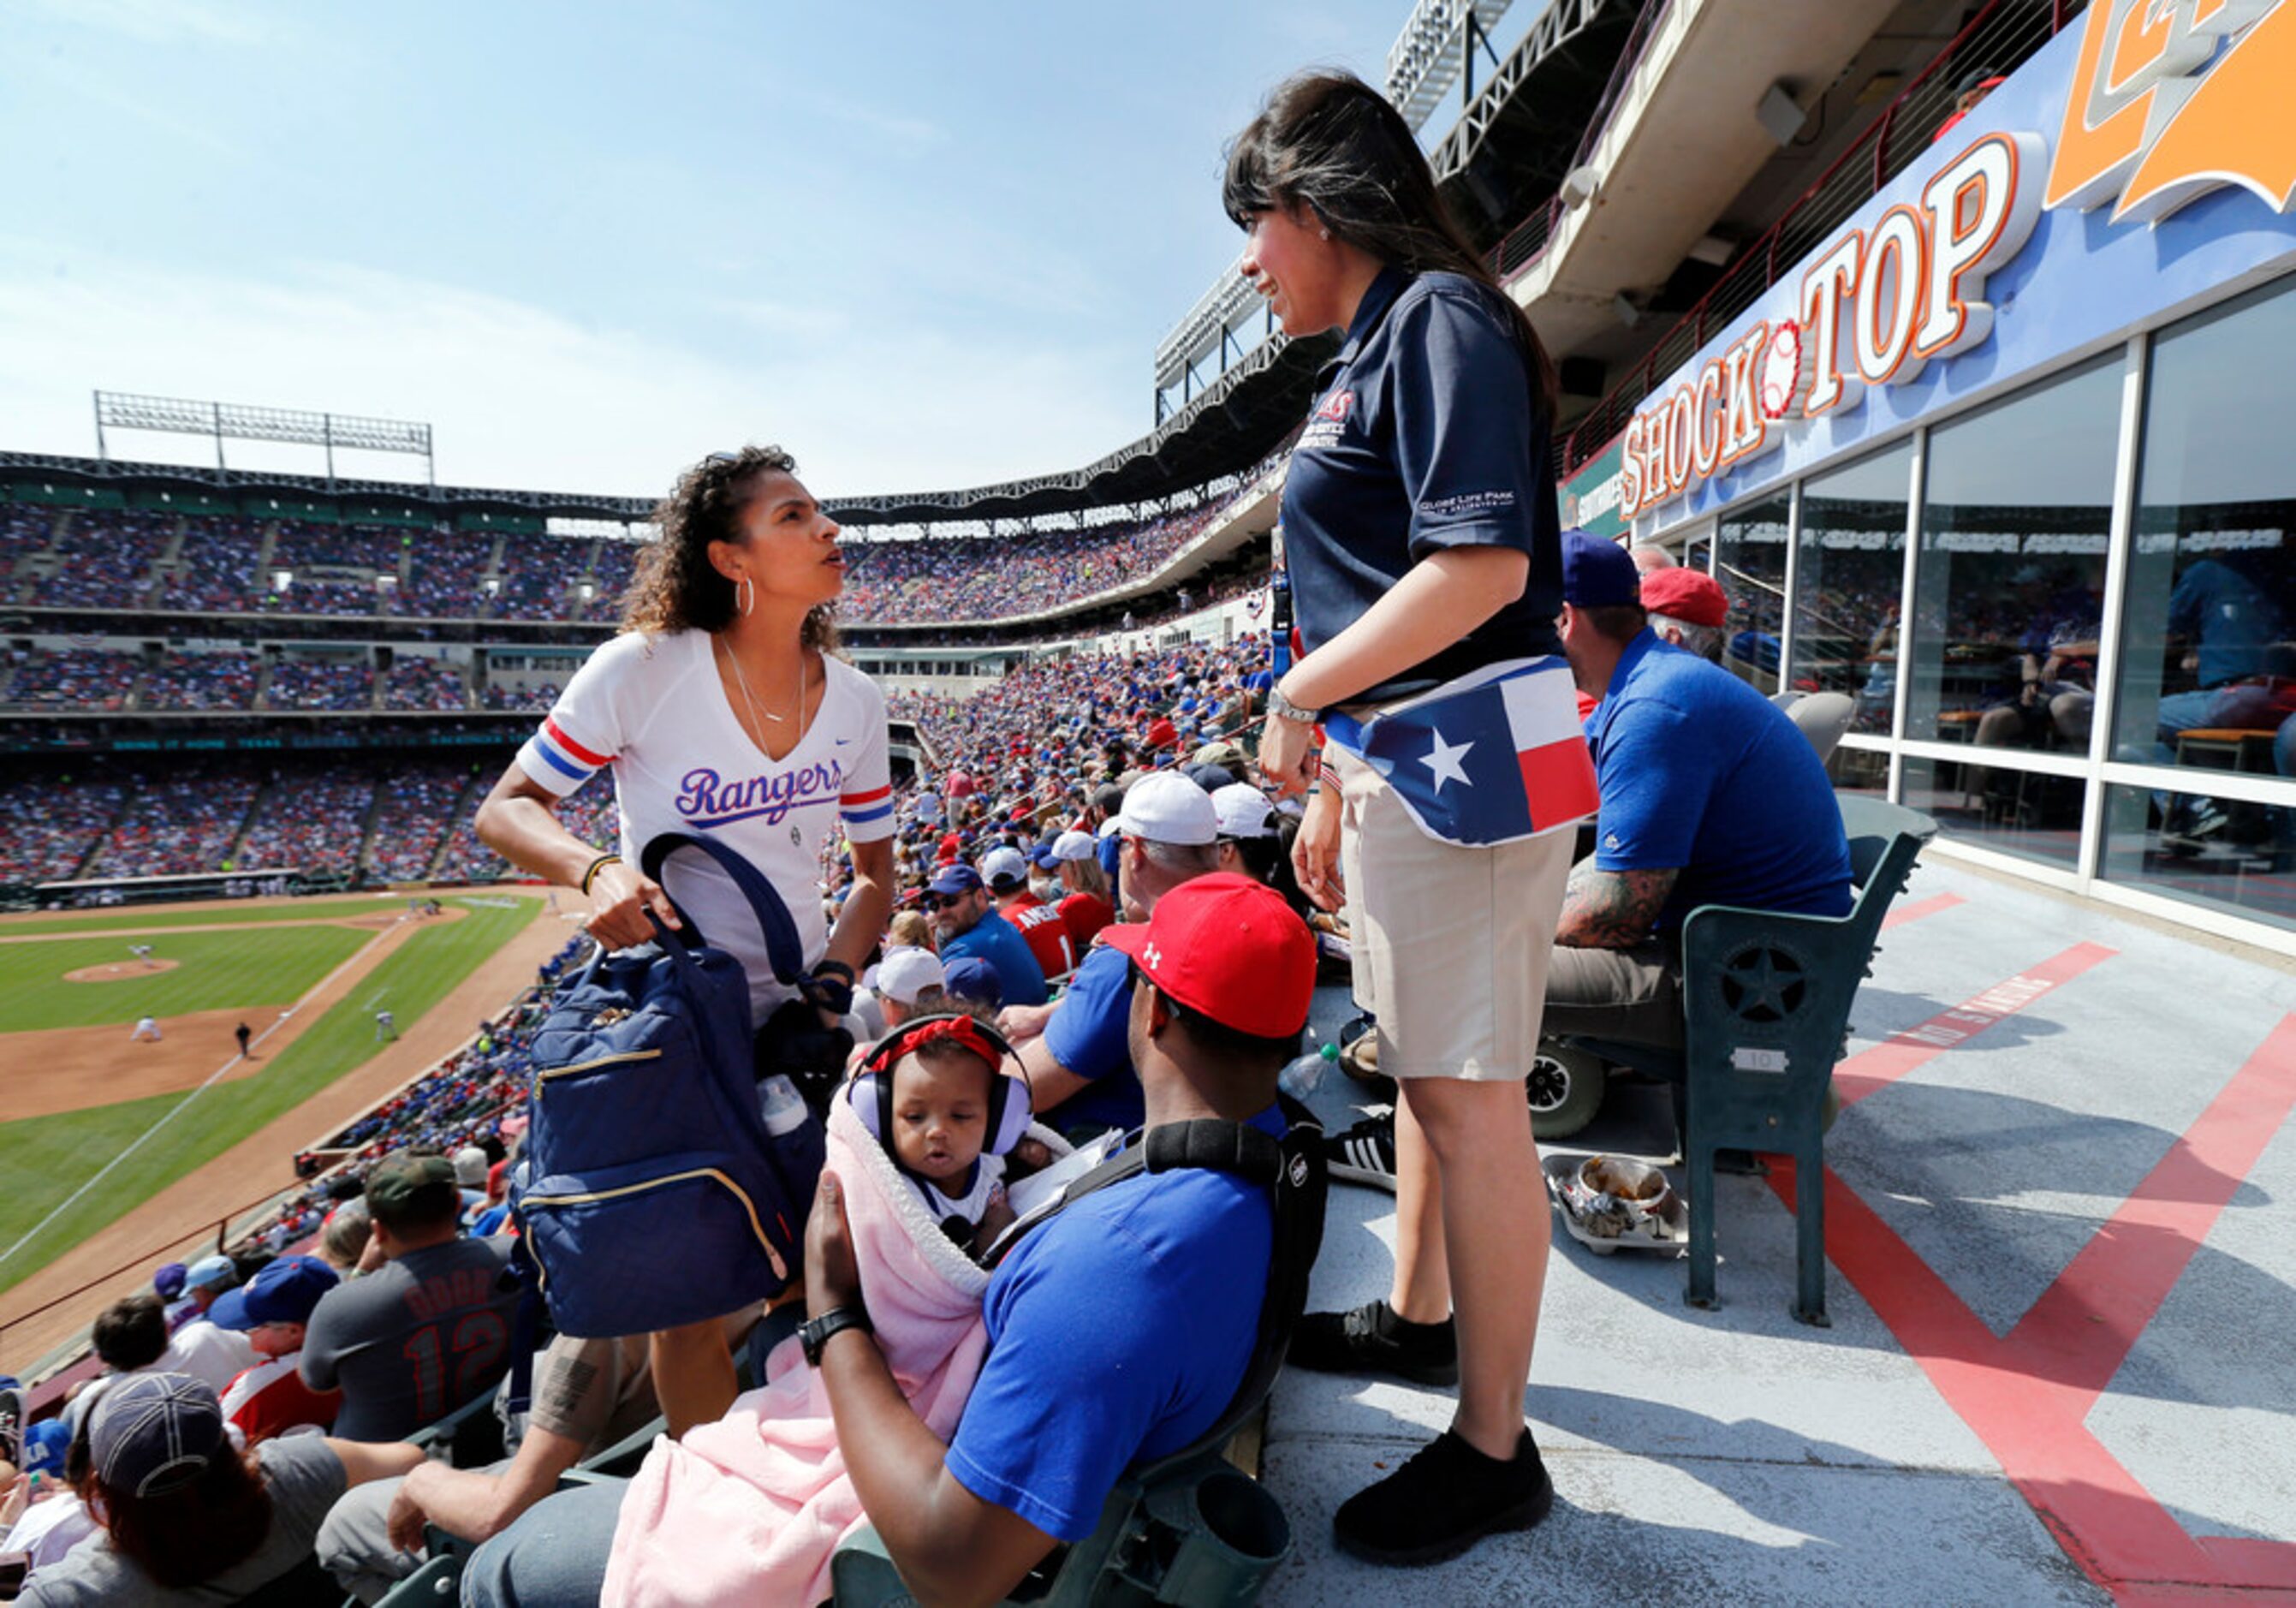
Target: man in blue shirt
[
  {"x": 1118, "y": 1331},
  {"x": 1077, "y": 1054},
  {"x": 1711, "y": 795},
  {"x": 965, "y": 917}
]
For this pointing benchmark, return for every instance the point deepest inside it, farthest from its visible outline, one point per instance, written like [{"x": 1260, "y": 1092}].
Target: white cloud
[{"x": 522, "y": 396}]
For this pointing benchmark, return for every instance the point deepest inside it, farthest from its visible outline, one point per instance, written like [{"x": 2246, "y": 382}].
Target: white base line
[{"x": 99, "y": 1175}]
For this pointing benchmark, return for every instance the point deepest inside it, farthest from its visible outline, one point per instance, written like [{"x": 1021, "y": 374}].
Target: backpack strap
[
  {"x": 1294, "y": 1167},
  {"x": 783, "y": 951}
]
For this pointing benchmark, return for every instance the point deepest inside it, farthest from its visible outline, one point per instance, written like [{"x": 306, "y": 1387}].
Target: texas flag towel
[{"x": 1491, "y": 758}]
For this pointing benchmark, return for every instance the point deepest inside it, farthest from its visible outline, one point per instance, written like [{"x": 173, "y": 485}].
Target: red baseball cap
[
  {"x": 1229, "y": 947},
  {"x": 1690, "y": 595}
]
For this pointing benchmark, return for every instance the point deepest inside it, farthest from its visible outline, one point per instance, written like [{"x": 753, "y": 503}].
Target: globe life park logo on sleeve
[{"x": 2169, "y": 99}]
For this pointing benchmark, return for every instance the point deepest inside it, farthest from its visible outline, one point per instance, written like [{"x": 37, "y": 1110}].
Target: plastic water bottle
[
  {"x": 1300, "y": 1079},
  {"x": 780, "y": 1105}
]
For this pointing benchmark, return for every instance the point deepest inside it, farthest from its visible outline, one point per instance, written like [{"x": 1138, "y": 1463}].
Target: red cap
[
  {"x": 1690, "y": 595},
  {"x": 1229, "y": 947}
]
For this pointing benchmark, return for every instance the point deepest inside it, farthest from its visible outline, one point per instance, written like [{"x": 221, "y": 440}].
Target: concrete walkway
[{"x": 2062, "y": 1364}]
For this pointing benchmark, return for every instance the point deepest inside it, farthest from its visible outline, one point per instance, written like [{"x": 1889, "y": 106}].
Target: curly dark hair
[{"x": 674, "y": 587}]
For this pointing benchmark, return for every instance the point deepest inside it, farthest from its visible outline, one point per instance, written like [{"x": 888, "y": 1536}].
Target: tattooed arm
[{"x": 1611, "y": 909}]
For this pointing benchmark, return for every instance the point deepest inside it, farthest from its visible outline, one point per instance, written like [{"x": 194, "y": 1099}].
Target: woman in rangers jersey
[{"x": 721, "y": 709}]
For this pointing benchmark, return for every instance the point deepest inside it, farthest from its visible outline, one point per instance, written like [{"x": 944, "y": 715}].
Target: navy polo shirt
[
  {"x": 1701, "y": 774},
  {"x": 1425, "y": 435}
]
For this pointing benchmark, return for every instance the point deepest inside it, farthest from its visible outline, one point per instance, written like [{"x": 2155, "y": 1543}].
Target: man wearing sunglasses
[{"x": 965, "y": 918}]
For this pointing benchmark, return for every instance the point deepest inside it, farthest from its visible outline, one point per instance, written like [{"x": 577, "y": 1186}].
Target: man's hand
[
  {"x": 406, "y": 1518},
  {"x": 833, "y": 1273},
  {"x": 1020, "y": 1023}
]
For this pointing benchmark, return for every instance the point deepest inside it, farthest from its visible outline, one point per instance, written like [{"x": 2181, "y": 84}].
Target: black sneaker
[
  {"x": 1373, "y": 1339},
  {"x": 1443, "y": 1501},
  {"x": 1363, "y": 1153}
]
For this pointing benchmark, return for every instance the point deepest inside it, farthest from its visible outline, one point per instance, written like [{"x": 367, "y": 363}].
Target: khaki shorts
[{"x": 1450, "y": 944}]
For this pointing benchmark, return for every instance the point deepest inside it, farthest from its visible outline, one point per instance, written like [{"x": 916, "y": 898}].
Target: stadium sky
[{"x": 922, "y": 245}]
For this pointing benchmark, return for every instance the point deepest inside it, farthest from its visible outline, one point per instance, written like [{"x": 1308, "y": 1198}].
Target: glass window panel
[
  {"x": 1859, "y": 770},
  {"x": 2235, "y": 857},
  {"x": 2207, "y": 659},
  {"x": 1846, "y": 583},
  {"x": 2019, "y": 812},
  {"x": 1749, "y": 561},
  {"x": 2009, "y": 586}
]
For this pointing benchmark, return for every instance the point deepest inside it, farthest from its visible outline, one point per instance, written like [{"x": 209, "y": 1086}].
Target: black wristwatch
[{"x": 814, "y": 1333}]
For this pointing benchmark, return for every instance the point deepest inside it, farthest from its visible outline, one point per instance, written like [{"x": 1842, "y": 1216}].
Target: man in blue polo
[
  {"x": 1077, "y": 1054},
  {"x": 965, "y": 919},
  {"x": 1710, "y": 796}
]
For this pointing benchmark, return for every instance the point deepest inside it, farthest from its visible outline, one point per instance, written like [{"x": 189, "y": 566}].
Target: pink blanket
[{"x": 748, "y": 1509}]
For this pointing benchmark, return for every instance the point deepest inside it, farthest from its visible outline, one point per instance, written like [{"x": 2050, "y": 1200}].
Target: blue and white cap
[{"x": 153, "y": 1432}]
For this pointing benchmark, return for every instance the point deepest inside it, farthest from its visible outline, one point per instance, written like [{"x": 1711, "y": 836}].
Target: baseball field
[{"x": 116, "y": 1134}]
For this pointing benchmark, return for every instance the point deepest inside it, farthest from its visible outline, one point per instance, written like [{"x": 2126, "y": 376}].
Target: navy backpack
[{"x": 657, "y": 1196}]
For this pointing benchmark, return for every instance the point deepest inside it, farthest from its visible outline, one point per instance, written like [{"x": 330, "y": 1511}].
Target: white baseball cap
[
  {"x": 907, "y": 972},
  {"x": 1003, "y": 864},
  {"x": 1167, "y": 808},
  {"x": 1243, "y": 811},
  {"x": 1073, "y": 846}
]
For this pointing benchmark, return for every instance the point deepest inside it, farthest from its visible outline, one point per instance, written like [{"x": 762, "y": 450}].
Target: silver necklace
[{"x": 751, "y": 698}]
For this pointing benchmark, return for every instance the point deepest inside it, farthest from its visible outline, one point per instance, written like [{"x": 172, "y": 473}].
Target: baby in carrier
[{"x": 934, "y": 1094}]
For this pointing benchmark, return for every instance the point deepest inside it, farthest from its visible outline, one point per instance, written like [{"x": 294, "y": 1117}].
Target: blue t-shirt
[
  {"x": 997, "y": 941},
  {"x": 1702, "y": 774},
  {"x": 1118, "y": 1331},
  {"x": 1426, "y": 435},
  {"x": 1089, "y": 1036}
]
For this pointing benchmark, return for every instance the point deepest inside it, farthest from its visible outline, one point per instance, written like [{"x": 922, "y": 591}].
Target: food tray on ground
[{"x": 1662, "y": 1226}]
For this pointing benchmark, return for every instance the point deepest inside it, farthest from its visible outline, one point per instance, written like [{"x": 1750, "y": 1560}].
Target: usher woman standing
[{"x": 1420, "y": 526}]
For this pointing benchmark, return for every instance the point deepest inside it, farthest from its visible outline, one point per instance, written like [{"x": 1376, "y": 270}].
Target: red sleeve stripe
[
  {"x": 849, "y": 800},
  {"x": 569, "y": 746}
]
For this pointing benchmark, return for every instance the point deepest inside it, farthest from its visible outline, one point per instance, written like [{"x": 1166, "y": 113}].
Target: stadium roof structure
[{"x": 1226, "y": 431}]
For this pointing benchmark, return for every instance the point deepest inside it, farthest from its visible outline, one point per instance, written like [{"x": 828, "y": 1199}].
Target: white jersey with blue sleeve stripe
[{"x": 654, "y": 710}]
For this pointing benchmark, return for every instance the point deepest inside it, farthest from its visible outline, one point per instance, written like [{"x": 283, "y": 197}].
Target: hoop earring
[{"x": 745, "y": 596}]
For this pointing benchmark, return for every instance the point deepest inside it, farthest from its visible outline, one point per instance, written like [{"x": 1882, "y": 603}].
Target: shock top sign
[{"x": 2160, "y": 113}]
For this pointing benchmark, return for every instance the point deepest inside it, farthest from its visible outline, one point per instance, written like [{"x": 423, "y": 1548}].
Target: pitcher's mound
[{"x": 120, "y": 971}]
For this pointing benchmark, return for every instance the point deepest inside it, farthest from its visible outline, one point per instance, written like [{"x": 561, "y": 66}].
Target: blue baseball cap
[
  {"x": 210, "y": 1273},
  {"x": 44, "y": 1445},
  {"x": 974, "y": 979},
  {"x": 168, "y": 1279},
  {"x": 284, "y": 1293},
  {"x": 1597, "y": 573},
  {"x": 155, "y": 1432},
  {"x": 954, "y": 879}
]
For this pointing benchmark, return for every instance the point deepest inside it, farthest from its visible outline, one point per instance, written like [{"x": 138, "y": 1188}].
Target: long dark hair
[
  {"x": 674, "y": 587},
  {"x": 188, "y": 1535},
  {"x": 1332, "y": 143}
]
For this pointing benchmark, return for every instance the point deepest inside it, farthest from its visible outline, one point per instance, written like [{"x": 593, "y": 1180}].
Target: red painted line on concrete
[
  {"x": 1870, "y": 1071},
  {"x": 1914, "y": 912},
  {"x": 2027, "y": 1396},
  {"x": 2092, "y": 1315}
]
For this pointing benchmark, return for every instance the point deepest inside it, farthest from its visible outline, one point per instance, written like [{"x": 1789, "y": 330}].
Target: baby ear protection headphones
[{"x": 1010, "y": 1105}]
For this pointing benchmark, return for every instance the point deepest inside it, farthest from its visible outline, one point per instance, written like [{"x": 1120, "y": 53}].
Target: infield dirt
[{"x": 186, "y": 1212}]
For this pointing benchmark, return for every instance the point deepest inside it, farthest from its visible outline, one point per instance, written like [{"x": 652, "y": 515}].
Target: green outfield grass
[
  {"x": 216, "y": 971},
  {"x": 127, "y": 921},
  {"x": 43, "y": 1158}
]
